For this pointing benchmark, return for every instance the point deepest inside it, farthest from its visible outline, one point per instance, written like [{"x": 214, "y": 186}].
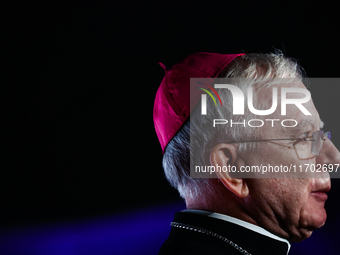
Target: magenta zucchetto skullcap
[{"x": 172, "y": 103}]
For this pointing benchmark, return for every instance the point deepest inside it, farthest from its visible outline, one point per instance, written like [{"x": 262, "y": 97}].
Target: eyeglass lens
[
  {"x": 317, "y": 142},
  {"x": 319, "y": 137}
]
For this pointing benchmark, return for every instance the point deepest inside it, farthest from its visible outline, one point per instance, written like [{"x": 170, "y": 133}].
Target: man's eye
[{"x": 305, "y": 135}]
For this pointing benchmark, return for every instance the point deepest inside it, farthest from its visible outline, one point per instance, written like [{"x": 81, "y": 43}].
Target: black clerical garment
[{"x": 198, "y": 234}]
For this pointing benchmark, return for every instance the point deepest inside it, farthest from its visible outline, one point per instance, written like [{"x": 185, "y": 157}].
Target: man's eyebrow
[
  {"x": 322, "y": 124},
  {"x": 302, "y": 125}
]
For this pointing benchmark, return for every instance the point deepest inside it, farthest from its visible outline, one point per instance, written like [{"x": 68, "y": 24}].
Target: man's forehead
[{"x": 311, "y": 122}]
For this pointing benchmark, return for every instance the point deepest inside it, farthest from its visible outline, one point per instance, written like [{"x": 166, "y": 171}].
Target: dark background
[{"x": 85, "y": 74}]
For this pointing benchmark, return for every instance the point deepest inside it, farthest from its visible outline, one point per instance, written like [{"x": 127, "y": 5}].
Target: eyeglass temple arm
[{"x": 265, "y": 140}]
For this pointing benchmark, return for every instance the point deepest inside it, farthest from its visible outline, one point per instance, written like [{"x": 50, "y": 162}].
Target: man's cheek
[{"x": 286, "y": 156}]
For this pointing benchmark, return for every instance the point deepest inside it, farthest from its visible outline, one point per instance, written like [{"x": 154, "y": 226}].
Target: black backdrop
[{"x": 82, "y": 141}]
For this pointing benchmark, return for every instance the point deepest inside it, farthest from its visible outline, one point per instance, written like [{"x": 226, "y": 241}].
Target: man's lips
[{"x": 320, "y": 193}]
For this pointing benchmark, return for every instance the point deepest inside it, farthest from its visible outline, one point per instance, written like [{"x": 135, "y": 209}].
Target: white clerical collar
[{"x": 239, "y": 222}]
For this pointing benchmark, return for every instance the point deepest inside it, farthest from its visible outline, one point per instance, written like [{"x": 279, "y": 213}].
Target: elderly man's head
[{"x": 289, "y": 207}]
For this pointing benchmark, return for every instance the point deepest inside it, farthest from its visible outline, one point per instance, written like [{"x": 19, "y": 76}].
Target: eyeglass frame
[{"x": 310, "y": 138}]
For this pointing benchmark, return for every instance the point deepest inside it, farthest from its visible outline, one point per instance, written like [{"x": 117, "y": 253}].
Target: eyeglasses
[{"x": 317, "y": 139}]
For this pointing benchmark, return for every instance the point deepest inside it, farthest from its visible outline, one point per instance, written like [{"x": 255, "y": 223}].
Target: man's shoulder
[
  {"x": 190, "y": 237},
  {"x": 192, "y": 233},
  {"x": 185, "y": 246}
]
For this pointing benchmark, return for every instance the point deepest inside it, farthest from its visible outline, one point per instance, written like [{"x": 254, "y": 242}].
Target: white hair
[{"x": 246, "y": 70}]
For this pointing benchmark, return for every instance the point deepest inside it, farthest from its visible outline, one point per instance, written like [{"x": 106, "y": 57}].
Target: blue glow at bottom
[
  {"x": 142, "y": 231},
  {"x": 137, "y": 232}
]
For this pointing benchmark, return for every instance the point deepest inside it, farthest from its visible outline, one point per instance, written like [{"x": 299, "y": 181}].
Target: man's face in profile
[{"x": 291, "y": 207}]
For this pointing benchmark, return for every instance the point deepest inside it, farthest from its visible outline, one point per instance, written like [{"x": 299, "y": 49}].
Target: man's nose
[{"x": 329, "y": 154}]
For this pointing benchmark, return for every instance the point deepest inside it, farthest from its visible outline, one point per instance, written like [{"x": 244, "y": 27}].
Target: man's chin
[
  {"x": 306, "y": 230},
  {"x": 319, "y": 220}
]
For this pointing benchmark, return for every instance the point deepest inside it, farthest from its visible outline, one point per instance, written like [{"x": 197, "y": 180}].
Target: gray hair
[{"x": 246, "y": 70}]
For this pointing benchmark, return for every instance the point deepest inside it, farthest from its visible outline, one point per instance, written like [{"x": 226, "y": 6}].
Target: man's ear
[{"x": 224, "y": 154}]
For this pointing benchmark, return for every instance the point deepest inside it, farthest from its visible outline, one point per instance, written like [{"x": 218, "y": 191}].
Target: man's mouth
[{"x": 320, "y": 193}]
